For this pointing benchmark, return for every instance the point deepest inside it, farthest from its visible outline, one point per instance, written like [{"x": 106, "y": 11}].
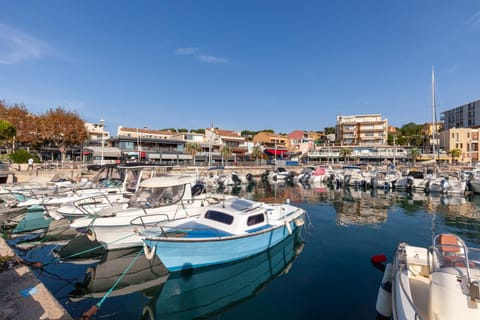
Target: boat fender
[
  {"x": 384, "y": 297},
  {"x": 91, "y": 235},
  {"x": 289, "y": 228},
  {"x": 148, "y": 253}
]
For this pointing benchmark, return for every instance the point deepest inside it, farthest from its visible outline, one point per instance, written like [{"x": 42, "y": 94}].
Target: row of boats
[
  {"x": 452, "y": 182},
  {"x": 185, "y": 227},
  {"x": 170, "y": 215}
]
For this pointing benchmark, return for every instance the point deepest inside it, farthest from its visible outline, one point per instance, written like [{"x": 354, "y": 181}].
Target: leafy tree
[
  {"x": 182, "y": 130},
  {"x": 411, "y": 129},
  {"x": 345, "y": 152},
  {"x": 329, "y": 130},
  {"x": 62, "y": 128},
  {"x": 257, "y": 153},
  {"x": 202, "y": 131},
  {"x": 414, "y": 152},
  {"x": 24, "y": 122},
  {"x": 7, "y": 132},
  {"x": 455, "y": 153},
  {"x": 193, "y": 148},
  {"x": 21, "y": 156},
  {"x": 226, "y": 152},
  {"x": 248, "y": 135}
]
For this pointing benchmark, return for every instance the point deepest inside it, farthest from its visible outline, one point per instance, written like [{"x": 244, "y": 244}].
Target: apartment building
[
  {"x": 464, "y": 116},
  {"x": 463, "y": 139},
  {"x": 368, "y": 129}
]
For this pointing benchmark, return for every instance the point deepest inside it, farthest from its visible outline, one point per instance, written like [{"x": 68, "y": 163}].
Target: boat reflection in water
[
  {"x": 197, "y": 293},
  {"x": 142, "y": 275}
]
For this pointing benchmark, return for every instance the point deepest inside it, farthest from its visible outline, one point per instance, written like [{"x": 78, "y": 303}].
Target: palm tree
[
  {"x": 344, "y": 152},
  {"x": 257, "y": 153},
  {"x": 455, "y": 153},
  {"x": 226, "y": 152},
  {"x": 193, "y": 148},
  {"x": 414, "y": 152}
]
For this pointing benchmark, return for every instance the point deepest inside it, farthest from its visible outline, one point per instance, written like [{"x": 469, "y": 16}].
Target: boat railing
[
  {"x": 82, "y": 204},
  {"x": 153, "y": 220},
  {"x": 458, "y": 255},
  {"x": 407, "y": 294}
]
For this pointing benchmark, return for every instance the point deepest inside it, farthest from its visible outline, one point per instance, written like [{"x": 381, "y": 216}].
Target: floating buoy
[
  {"x": 379, "y": 258},
  {"x": 384, "y": 297}
]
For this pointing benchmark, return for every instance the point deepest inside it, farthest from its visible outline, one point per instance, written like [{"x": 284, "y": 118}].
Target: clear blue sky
[{"x": 249, "y": 64}]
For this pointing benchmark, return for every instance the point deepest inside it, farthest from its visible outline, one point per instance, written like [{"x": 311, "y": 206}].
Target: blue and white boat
[
  {"x": 209, "y": 292},
  {"x": 234, "y": 229}
]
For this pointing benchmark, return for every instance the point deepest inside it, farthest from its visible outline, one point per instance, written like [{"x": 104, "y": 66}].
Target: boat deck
[{"x": 419, "y": 286}]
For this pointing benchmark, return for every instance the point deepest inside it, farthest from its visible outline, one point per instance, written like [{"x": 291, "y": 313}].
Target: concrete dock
[{"x": 23, "y": 296}]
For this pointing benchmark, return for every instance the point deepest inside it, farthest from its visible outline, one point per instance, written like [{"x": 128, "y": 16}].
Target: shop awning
[{"x": 277, "y": 152}]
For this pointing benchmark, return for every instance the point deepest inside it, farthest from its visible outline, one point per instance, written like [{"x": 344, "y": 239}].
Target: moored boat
[
  {"x": 439, "y": 282},
  {"x": 231, "y": 230}
]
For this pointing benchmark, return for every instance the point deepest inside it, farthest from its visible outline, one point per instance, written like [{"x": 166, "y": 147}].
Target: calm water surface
[{"x": 324, "y": 272}]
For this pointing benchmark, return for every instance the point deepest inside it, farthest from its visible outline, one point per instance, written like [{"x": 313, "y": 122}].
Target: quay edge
[{"x": 23, "y": 295}]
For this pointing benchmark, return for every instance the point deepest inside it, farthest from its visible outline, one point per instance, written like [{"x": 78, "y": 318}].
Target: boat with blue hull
[
  {"x": 232, "y": 230},
  {"x": 206, "y": 292}
]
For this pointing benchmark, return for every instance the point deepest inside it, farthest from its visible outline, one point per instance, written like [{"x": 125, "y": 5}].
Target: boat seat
[{"x": 451, "y": 252}]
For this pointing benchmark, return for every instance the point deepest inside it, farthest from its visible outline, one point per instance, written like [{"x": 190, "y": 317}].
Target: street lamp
[{"x": 103, "y": 141}]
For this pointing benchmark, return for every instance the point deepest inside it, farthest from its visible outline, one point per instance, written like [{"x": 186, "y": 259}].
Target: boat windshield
[{"x": 148, "y": 197}]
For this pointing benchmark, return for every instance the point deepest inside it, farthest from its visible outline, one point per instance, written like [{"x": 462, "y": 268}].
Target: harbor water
[{"x": 322, "y": 272}]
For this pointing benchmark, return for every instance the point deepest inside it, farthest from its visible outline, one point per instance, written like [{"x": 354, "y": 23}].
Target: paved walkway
[{"x": 22, "y": 295}]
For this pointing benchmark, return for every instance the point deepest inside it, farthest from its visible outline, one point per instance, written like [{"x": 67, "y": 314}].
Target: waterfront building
[
  {"x": 464, "y": 116},
  {"x": 368, "y": 129},
  {"x": 301, "y": 141},
  {"x": 463, "y": 139},
  {"x": 274, "y": 144}
]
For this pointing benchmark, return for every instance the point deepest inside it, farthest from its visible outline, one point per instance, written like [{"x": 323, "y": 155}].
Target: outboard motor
[
  {"x": 410, "y": 182},
  {"x": 290, "y": 178},
  {"x": 346, "y": 180},
  {"x": 249, "y": 177},
  {"x": 445, "y": 185},
  {"x": 236, "y": 179},
  {"x": 198, "y": 188},
  {"x": 374, "y": 182},
  {"x": 265, "y": 175}
]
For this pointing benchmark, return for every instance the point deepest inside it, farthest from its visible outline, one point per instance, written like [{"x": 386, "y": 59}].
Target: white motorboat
[
  {"x": 414, "y": 180},
  {"x": 90, "y": 202},
  {"x": 446, "y": 183},
  {"x": 164, "y": 198},
  {"x": 439, "y": 282}
]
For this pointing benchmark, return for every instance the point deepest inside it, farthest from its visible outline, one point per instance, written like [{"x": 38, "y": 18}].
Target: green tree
[
  {"x": 414, "y": 153},
  {"x": 193, "y": 148},
  {"x": 329, "y": 130},
  {"x": 7, "y": 133},
  {"x": 226, "y": 153},
  {"x": 257, "y": 153},
  {"x": 455, "y": 153},
  {"x": 345, "y": 152}
]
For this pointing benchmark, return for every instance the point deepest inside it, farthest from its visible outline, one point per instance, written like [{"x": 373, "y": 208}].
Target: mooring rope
[
  {"x": 93, "y": 310},
  {"x": 85, "y": 251}
]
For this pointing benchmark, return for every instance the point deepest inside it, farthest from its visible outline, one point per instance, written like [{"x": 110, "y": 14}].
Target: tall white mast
[{"x": 434, "y": 126}]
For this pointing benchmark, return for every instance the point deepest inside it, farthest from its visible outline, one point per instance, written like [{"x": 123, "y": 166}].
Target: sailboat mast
[{"x": 434, "y": 127}]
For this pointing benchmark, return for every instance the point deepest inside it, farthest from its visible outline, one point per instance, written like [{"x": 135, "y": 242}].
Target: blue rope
[{"x": 99, "y": 304}]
